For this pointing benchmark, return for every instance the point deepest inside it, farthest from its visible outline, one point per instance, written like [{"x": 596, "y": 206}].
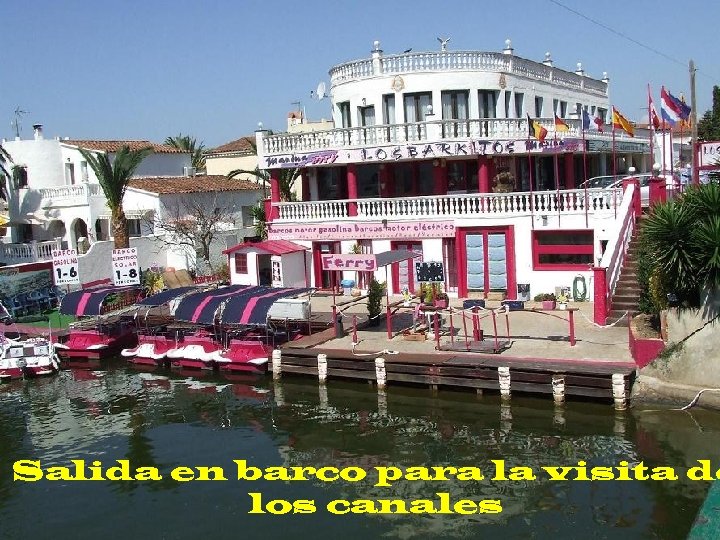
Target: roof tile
[
  {"x": 115, "y": 146},
  {"x": 164, "y": 185}
]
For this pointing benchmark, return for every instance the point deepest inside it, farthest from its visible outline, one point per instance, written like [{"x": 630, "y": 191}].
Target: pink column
[
  {"x": 274, "y": 194},
  {"x": 657, "y": 190},
  {"x": 637, "y": 203},
  {"x": 484, "y": 174},
  {"x": 352, "y": 188},
  {"x": 384, "y": 179},
  {"x": 600, "y": 298},
  {"x": 570, "y": 171}
]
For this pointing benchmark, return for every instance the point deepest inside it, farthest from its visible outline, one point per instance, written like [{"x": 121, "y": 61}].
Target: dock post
[
  {"x": 276, "y": 363},
  {"x": 382, "y": 402},
  {"x": 505, "y": 417},
  {"x": 323, "y": 394},
  {"x": 619, "y": 394},
  {"x": 504, "y": 379},
  {"x": 322, "y": 367},
  {"x": 558, "y": 389},
  {"x": 380, "y": 374},
  {"x": 278, "y": 393}
]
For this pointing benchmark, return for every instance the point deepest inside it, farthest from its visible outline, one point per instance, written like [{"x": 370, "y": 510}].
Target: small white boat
[{"x": 29, "y": 357}]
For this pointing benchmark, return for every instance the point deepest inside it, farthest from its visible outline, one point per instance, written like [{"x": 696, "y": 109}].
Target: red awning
[{"x": 271, "y": 247}]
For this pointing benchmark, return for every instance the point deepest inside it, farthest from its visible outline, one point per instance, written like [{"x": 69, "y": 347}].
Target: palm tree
[
  {"x": 187, "y": 143},
  {"x": 114, "y": 178},
  {"x": 683, "y": 240},
  {"x": 5, "y": 159},
  {"x": 286, "y": 181}
]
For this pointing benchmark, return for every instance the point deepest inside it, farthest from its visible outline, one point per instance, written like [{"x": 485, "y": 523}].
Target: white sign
[
  {"x": 65, "y": 267},
  {"x": 125, "y": 268}
]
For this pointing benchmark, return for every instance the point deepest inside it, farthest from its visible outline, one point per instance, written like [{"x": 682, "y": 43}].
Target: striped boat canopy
[{"x": 88, "y": 302}]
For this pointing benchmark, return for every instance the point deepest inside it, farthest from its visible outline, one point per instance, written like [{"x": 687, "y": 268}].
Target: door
[
  {"x": 324, "y": 279},
  {"x": 486, "y": 261},
  {"x": 403, "y": 273}
]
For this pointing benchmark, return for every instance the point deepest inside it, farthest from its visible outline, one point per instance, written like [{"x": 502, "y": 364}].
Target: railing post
[
  {"x": 637, "y": 203},
  {"x": 658, "y": 194},
  {"x": 600, "y": 297}
]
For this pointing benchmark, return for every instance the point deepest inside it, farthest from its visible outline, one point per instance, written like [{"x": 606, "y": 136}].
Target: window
[
  {"x": 344, "y": 110},
  {"x": 462, "y": 176},
  {"x": 241, "y": 266},
  {"x": 519, "y": 104},
  {"x": 487, "y": 103},
  {"x": 556, "y": 106},
  {"x": 562, "y": 250},
  {"x": 563, "y": 109},
  {"x": 416, "y": 108},
  {"x": 507, "y": 104},
  {"x": 538, "y": 106},
  {"x": 134, "y": 227},
  {"x": 455, "y": 107},
  {"x": 330, "y": 184},
  {"x": 84, "y": 171},
  {"x": 246, "y": 216},
  {"x": 70, "y": 174},
  {"x": 602, "y": 113},
  {"x": 389, "y": 109},
  {"x": 20, "y": 176},
  {"x": 450, "y": 263}
]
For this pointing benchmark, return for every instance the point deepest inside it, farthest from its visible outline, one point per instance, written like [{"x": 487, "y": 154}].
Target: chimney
[{"x": 37, "y": 131}]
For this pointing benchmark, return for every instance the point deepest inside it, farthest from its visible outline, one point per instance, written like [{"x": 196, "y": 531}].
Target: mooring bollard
[
  {"x": 558, "y": 389},
  {"x": 380, "y": 374},
  {"x": 276, "y": 363},
  {"x": 619, "y": 394},
  {"x": 504, "y": 380},
  {"x": 322, "y": 367}
]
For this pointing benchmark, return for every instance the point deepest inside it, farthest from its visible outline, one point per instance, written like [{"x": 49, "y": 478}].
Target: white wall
[
  {"x": 96, "y": 263},
  {"x": 251, "y": 278},
  {"x": 293, "y": 269}
]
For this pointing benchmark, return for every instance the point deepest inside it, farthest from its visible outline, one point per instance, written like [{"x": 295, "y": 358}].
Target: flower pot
[
  {"x": 548, "y": 304},
  {"x": 562, "y": 305}
]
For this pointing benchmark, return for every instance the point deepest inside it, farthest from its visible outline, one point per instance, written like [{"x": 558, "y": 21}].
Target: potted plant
[
  {"x": 376, "y": 290},
  {"x": 547, "y": 299},
  {"x": 406, "y": 296},
  {"x": 441, "y": 299},
  {"x": 503, "y": 182},
  {"x": 562, "y": 301}
]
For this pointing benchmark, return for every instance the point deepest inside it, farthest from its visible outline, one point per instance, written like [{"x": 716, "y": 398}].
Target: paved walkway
[{"x": 537, "y": 335}]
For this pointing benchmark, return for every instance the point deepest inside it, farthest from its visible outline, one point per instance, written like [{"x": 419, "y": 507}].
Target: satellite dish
[{"x": 320, "y": 92}]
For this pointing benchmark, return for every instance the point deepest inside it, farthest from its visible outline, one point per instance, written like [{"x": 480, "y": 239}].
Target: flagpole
[
  {"x": 672, "y": 155},
  {"x": 585, "y": 183},
  {"x": 614, "y": 161},
  {"x": 557, "y": 182},
  {"x": 663, "y": 127},
  {"x": 651, "y": 125},
  {"x": 530, "y": 172},
  {"x": 680, "y": 154}
]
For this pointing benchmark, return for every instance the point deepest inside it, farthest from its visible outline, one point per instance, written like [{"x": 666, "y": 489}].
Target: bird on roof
[
  {"x": 407, "y": 50},
  {"x": 443, "y": 43}
]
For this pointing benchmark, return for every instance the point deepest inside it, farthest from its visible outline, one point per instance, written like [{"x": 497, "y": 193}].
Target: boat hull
[{"x": 33, "y": 357}]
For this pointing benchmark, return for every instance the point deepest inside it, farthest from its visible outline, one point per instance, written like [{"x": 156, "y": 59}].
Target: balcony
[
  {"x": 478, "y": 137},
  {"x": 493, "y": 62},
  {"x": 66, "y": 196},
  {"x": 28, "y": 253},
  {"x": 471, "y": 205}
]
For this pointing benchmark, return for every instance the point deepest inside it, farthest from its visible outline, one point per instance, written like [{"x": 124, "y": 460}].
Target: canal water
[{"x": 167, "y": 421}]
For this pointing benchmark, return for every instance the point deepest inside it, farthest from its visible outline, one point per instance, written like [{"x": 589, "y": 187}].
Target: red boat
[{"x": 97, "y": 336}]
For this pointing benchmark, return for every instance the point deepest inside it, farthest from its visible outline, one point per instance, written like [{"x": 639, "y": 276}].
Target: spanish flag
[
  {"x": 560, "y": 124},
  {"x": 620, "y": 122},
  {"x": 536, "y": 130}
]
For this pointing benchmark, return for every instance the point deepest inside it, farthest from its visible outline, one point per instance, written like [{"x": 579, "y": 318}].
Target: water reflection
[{"x": 167, "y": 420}]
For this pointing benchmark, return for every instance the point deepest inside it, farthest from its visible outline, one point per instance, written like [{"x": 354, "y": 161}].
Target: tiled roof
[
  {"x": 191, "y": 184},
  {"x": 115, "y": 146},
  {"x": 243, "y": 144}
]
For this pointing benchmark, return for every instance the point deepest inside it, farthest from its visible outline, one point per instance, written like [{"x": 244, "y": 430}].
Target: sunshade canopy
[
  {"x": 88, "y": 302},
  {"x": 252, "y": 309},
  {"x": 165, "y": 296}
]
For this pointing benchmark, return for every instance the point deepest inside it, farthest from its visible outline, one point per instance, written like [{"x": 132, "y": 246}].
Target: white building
[
  {"x": 433, "y": 152},
  {"x": 54, "y": 199}
]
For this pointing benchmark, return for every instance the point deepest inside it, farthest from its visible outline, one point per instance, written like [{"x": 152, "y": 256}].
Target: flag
[
  {"x": 594, "y": 123},
  {"x": 585, "y": 120},
  {"x": 654, "y": 118},
  {"x": 672, "y": 109},
  {"x": 687, "y": 123},
  {"x": 560, "y": 124},
  {"x": 536, "y": 130},
  {"x": 599, "y": 123},
  {"x": 620, "y": 122}
]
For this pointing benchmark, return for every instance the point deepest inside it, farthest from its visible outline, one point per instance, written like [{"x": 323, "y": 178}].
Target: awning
[
  {"x": 252, "y": 309},
  {"x": 88, "y": 302},
  {"x": 201, "y": 307},
  {"x": 270, "y": 247},
  {"x": 389, "y": 257},
  {"x": 165, "y": 296}
]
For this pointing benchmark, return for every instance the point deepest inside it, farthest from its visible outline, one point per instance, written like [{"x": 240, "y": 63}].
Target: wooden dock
[{"x": 559, "y": 378}]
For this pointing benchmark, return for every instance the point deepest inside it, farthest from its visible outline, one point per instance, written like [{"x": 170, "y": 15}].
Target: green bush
[{"x": 376, "y": 291}]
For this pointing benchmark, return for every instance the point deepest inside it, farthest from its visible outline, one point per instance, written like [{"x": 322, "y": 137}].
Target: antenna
[
  {"x": 321, "y": 92},
  {"x": 16, "y": 123}
]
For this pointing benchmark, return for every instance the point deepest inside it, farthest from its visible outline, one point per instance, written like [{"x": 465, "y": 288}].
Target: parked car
[
  {"x": 601, "y": 181},
  {"x": 672, "y": 185}
]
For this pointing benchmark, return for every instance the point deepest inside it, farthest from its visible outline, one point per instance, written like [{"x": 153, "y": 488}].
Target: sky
[{"x": 213, "y": 69}]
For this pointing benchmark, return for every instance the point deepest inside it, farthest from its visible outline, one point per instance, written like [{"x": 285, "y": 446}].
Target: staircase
[{"x": 627, "y": 291}]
